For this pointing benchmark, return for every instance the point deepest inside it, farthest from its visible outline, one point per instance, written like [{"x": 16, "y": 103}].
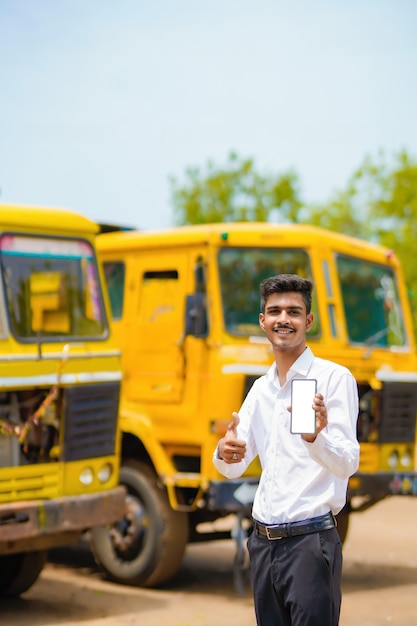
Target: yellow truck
[
  {"x": 185, "y": 307},
  {"x": 59, "y": 391}
]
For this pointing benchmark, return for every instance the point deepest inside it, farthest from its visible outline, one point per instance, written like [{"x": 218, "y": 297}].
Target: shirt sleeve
[{"x": 336, "y": 447}]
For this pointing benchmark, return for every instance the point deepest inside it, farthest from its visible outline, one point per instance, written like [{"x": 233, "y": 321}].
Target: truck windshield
[
  {"x": 241, "y": 272},
  {"x": 370, "y": 299},
  {"x": 51, "y": 288}
]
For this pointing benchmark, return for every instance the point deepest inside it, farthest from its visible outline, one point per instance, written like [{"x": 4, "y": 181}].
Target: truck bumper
[
  {"x": 383, "y": 484},
  {"x": 236, "y": 496},
  {"x": 44, "y": 524},
  {"x": 232, "y": 496}
]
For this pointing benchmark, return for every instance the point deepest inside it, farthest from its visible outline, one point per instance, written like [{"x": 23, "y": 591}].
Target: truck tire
[
  {"x": 147, "y": 545},
  {"x": 18, "y": 572}
]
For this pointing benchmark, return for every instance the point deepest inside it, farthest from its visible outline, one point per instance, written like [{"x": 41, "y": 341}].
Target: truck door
[{"x": 157, "y": 351}]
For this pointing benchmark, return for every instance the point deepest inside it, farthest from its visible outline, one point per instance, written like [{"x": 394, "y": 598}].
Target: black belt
[{"x": 293, "y": 529}]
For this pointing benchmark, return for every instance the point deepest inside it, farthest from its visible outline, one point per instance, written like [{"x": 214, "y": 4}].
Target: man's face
[{"x": 285, "y": 321}]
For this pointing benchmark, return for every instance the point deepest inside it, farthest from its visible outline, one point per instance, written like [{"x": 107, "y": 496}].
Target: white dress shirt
[{"x": 299, "y": 480}]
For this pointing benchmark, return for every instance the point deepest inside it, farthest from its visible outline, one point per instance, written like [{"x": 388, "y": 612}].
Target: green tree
[
  {"x": 233, "y": 193},
  {"x": 379, "y": 204}
]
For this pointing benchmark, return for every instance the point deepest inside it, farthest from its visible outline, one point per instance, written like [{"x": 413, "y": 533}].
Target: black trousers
[{"x": 297, "y": 581}]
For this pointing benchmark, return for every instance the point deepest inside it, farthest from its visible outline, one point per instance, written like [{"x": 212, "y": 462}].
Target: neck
[{"x": 284, "y": 361}]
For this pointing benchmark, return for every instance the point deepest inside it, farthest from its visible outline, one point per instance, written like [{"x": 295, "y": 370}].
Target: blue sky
[{"x": 102, "y": 101}]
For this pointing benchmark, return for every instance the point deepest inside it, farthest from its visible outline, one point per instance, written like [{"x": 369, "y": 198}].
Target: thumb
[{"x": 232, "y": 427}]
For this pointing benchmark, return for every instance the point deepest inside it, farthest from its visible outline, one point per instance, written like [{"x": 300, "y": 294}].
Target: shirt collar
[
  {"x": 303, "y": 363},
  {"x": 300, "y": 366}
]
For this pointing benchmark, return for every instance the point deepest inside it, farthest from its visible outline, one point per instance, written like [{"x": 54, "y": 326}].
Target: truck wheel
[
  {"x": 19, "y": 571},
  {"x": 147, "y": 545},
  {"x": 343, "y": 522}
]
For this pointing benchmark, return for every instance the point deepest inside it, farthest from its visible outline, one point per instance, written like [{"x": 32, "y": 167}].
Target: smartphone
[{"x": 303, "y": 416}]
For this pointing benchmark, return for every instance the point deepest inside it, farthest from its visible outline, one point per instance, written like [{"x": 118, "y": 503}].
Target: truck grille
[
  {"x": 91, "y": 413},
  {"x": 28, "y": 483},
  {"x": 399, "y": 409}
]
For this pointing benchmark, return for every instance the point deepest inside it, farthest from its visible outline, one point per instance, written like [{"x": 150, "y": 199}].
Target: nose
[{"x": 283, "y": 317}]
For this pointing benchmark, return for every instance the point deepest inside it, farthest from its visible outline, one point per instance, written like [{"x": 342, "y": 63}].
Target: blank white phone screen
[{"x": 303, "y": 416}]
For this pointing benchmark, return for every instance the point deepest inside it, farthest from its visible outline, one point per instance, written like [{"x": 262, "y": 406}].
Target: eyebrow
[{"x": 291, "y": 307}]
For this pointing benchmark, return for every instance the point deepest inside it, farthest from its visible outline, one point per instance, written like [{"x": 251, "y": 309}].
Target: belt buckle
[{"x": 268, "y": 534}]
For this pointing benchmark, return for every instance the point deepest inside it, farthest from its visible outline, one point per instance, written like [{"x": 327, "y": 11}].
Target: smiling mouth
[{"x": 283, "y": 331}]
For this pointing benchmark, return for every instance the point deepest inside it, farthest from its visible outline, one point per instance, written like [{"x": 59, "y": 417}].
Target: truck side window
[
  {"x": 114, "y": 272},
  {"x": 370, "y": 299}
]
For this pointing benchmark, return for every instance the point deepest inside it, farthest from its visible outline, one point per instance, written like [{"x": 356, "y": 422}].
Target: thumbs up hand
[
  {"x": 230, "y": 448},
  {"x": 231, "y": 432}
]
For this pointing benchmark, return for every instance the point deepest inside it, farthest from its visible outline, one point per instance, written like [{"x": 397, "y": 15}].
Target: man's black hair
[{"x": 282, "y": 283}]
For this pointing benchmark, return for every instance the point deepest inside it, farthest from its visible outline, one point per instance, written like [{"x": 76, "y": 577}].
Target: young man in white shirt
[{"x": 295, "y": 550}]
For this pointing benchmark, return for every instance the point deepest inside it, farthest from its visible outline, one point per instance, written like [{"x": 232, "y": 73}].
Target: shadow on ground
[
  {"x": 207, "y": 568},
  {"x": 359, "y": 576}
]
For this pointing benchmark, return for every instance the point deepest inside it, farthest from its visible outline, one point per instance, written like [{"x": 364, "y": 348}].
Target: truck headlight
[
  {"x": 405, "y": 459},
  {"x": 105, "y": 472},
  {"x": 393, "y": 459},
  {"x": 86, "y": 476}
]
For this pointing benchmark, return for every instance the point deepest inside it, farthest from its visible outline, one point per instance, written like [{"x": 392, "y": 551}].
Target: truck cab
[
  {"x": 185, "y": 307},
  {"x": 59, "y": 391}
]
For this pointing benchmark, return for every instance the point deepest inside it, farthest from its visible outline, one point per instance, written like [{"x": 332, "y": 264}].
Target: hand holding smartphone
[{"x": 303, "y": 416}]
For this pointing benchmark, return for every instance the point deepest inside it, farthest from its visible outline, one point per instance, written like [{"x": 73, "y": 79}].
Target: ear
[
  {"x": 262, "y": 321},
  {"x": 309, "y": 323}
]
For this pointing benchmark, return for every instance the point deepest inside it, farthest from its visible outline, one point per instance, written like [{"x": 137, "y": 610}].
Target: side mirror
[{"x": 196, "y": 315}]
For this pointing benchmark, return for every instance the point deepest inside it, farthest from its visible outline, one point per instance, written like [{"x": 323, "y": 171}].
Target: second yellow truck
[{"x": 185, "y": 307}]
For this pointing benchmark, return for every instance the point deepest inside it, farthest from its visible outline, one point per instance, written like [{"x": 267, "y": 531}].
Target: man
[{"x": 295, "y": 550}]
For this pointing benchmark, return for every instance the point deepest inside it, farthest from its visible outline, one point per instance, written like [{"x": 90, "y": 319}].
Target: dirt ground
[{"x": 379, "y": 583}]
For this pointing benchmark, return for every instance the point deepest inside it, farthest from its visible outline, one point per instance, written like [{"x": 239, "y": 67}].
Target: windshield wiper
[{"x": 372, "y": 341}]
